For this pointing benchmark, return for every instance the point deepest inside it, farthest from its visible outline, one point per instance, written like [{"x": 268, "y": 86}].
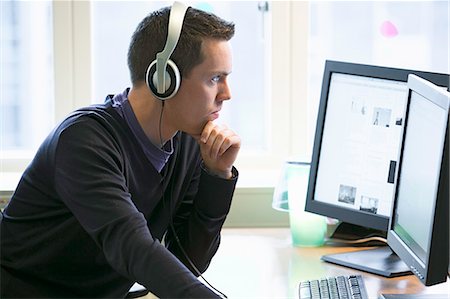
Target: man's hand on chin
[{"x": 219, "y": 147}]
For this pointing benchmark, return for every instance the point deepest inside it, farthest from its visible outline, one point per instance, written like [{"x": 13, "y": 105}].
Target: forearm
[
  {"x": 199, "y": 233},
  {"x": 143, "y": 259}
]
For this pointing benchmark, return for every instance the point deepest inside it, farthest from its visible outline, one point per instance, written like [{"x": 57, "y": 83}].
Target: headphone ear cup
[{"x": 172, "y": 80}]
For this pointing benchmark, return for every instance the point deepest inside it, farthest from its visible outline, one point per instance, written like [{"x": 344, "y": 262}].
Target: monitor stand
[
  {"x": 381, "y": 260},
  {"x": 356, "y": 235}
]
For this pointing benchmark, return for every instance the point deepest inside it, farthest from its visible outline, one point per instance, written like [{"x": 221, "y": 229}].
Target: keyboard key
[
  {"x": 305, "y": 293},
  {"x": 305, "y": 290}
]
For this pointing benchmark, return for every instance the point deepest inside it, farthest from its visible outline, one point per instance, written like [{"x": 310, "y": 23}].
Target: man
[{"x": 135, "y": 189}]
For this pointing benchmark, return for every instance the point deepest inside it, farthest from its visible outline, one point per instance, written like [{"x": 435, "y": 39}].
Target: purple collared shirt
[{"x": 157, "y": 156}]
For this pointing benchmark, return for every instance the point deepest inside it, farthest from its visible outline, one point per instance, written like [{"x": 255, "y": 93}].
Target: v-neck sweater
[{"x": 90, "y": 213}]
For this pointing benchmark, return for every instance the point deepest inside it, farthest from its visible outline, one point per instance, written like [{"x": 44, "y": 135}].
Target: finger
[
  {"x": 217, "y": 142},
  {"x": 212, "y": 131},
  {"x": 209, "y": 128},
  {"x": 214, "y": 141},
  {"x": 232, "y": 140},
  {"x": 223, "y": 141},
  {"x": 207, "y": 131}
]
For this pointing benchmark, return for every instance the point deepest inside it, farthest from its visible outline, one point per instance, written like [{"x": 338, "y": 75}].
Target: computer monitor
[
  {"x": 419, "y": 227},
  {"x": 356, "y": 152}
]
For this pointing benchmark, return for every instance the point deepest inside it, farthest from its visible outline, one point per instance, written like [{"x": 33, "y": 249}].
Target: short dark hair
[{"x": 150, "y": 37}]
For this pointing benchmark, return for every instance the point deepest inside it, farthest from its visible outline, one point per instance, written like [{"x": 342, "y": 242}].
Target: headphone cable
[
  {"x": 192, "y": 264},
  {"x": 161, "y": 141}
]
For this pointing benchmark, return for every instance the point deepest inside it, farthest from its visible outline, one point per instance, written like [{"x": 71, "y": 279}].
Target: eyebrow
[{"x": 222, "y": 73}]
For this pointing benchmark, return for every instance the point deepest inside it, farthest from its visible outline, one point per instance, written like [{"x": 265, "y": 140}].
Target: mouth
[{"x": 215, "y": 115}]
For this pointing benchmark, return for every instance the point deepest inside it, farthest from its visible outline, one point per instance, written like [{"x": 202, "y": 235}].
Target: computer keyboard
[{"x": 336, "y": 287}]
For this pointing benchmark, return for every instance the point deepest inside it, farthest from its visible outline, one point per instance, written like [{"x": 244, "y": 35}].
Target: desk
[{"x": 262, "y": 263}]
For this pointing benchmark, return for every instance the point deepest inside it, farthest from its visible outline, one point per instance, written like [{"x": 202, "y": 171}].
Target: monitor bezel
[
  {"x": 434, "y": 269},
  {"x": 357, "y": 217}
]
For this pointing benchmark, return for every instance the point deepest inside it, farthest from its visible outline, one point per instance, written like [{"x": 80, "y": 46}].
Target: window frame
[{"x": 288, "y": 135}]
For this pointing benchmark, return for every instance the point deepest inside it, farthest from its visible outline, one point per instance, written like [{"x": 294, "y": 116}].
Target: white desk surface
[{"x": 262, "y": 263}]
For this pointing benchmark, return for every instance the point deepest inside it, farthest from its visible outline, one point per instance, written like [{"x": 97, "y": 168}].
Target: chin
[{"x": 196, "y": 130}]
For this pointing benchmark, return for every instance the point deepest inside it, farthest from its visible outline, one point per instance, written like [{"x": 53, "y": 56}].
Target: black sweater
[{"x": 88, "y": 215}]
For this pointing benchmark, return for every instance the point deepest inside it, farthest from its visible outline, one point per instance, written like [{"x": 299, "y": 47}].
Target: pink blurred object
[{"x": 388, "y": 29}]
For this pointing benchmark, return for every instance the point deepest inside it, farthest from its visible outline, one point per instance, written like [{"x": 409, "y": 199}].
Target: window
[
  {"x": 26, "y": 80},
  {"x": 83, "y": 58},
  {"x": 403, "y": 34}
]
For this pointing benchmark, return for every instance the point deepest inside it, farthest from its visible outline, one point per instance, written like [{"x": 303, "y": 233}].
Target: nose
[{"x": 225, "y": 91}]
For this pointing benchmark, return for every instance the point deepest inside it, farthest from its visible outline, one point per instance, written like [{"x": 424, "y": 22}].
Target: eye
[{"x": 215, "y": 79}]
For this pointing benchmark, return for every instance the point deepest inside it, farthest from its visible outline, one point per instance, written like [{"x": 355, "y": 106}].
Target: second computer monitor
[{"x": 419, "y": 230}]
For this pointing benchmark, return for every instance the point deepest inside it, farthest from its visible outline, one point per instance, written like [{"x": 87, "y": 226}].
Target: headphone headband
[{"x": 177, "y": 13}]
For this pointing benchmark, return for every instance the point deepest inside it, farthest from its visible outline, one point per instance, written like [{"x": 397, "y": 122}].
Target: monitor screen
[
  {"x": 418, "y": 231},
  {"x": 357, "y": 142},
  {"x": 360, "y": 143}
]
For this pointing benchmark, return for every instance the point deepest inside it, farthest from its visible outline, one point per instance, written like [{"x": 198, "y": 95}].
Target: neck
[{"x": 148, "y": 113}]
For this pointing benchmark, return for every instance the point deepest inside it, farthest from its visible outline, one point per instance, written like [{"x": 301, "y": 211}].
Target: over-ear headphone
[{"x": 162, "y": 76}]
